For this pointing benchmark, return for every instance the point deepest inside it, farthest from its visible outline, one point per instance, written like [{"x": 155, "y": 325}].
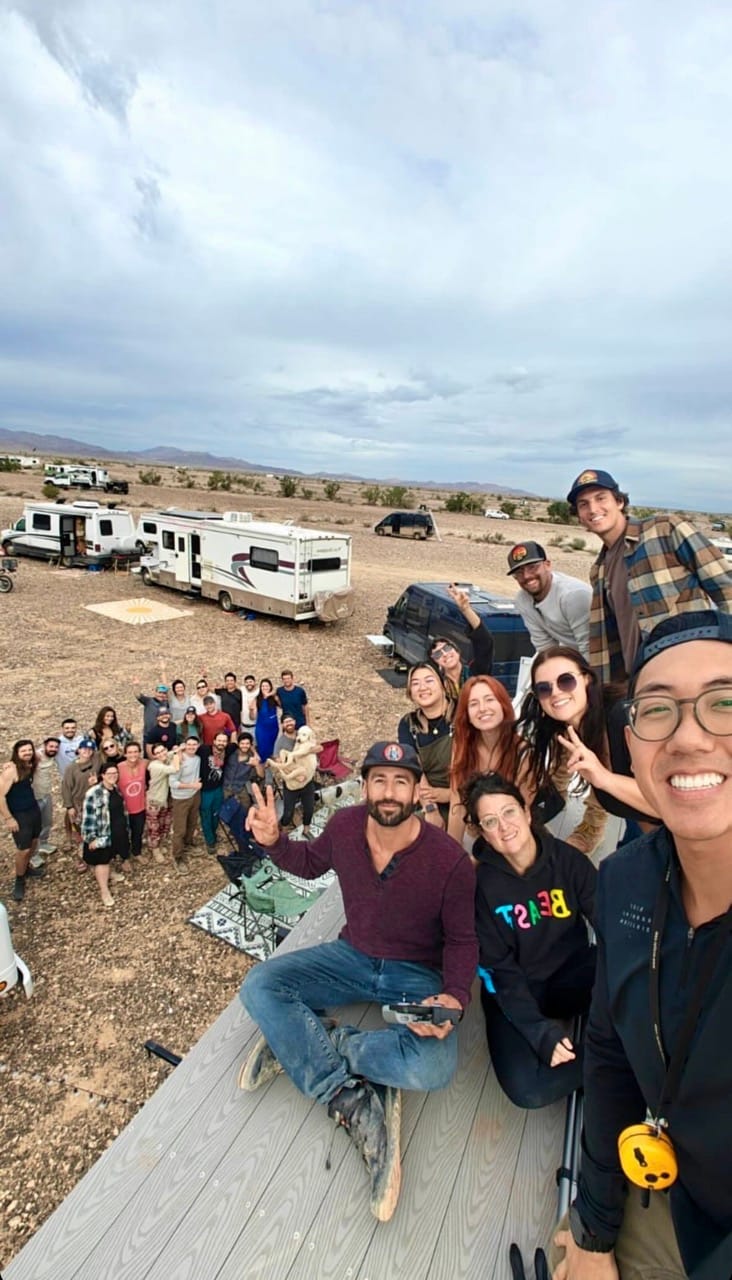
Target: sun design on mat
[{"x": 138, "y": 608}]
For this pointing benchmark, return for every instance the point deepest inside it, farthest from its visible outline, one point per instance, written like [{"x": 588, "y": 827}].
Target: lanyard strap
[{"x": 677, "y": 1061}]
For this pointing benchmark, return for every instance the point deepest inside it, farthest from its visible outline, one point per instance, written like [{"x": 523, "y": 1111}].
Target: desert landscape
[{"x": 72, "y": 1063}]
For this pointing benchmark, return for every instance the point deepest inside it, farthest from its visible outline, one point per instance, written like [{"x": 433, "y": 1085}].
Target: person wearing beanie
[
  {"x": 408, "y": 894},
  {"x": 658, "y": 1044}
]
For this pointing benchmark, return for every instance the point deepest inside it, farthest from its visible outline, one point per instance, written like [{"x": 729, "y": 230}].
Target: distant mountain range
[{"x": 29, "y": 442}]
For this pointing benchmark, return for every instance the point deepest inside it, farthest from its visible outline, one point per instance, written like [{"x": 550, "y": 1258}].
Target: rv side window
[
  {"x": 41, "y": 520},
  {"x": 264, "y": 558},
  {"x": 168, "y": 540},
  {"x": 105, "y": 528},
  {"x": 326, "y": 565},
  {"x": 149, "y": 527}
]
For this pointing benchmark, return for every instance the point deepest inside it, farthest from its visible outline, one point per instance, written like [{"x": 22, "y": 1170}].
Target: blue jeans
[
  {"x": 211, "y": 802},
  {"x": 286, "y": 993}
]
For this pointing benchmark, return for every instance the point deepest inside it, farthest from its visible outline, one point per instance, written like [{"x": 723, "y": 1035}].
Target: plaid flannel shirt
[
  {"x": 95, "y": 823},
  {"x": 672, "y": 568}
]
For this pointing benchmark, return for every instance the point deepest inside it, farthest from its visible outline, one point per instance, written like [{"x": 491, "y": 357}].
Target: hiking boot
[
  {"x": 261, "y": 1066},
  {"x": 371, "y": 1114},
  {"x": 35, "y": 873},
  {"x": 19, "y": 889}
]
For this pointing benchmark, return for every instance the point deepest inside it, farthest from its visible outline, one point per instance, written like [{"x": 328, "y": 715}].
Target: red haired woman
[{"x": 484, "y": 741}]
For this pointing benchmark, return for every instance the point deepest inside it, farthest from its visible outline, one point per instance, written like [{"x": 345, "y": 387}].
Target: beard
[{"x": 401, "y": 813}]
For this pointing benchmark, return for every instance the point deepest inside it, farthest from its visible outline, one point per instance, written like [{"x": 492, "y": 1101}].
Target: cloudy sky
[{"x": 428, "y": 239}]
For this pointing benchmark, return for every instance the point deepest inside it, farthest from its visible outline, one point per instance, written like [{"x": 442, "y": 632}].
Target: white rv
[
  {"x": 244, "y": 563},
  {"x": 71, "y": 532}
]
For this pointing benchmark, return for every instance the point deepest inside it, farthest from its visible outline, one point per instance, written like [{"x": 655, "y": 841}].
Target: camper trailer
[
  {"x": 279, "y": 569},
  {"x": 76, "y": 476},
  {"x": 71, "y": 532}
]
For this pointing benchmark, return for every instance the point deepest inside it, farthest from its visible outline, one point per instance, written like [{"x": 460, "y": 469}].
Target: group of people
[
  {"x": 447, "y": 870},
  {"x": 119, "y": 792}
]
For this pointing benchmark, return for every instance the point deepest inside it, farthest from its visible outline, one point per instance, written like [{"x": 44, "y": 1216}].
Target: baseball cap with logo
[
  {"x": 592, "y": 480},
  {"x": 525, "y": 553},
  {"x": 391, "y": 755}
]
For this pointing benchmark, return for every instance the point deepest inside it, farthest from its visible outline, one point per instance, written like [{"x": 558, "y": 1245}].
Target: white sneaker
[
  {"x": 37, "y": 860},
  {"x": 47, "y": 848}
]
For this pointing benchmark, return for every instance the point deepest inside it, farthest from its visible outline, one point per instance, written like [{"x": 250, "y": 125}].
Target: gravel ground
[{"x": 72, "y": 1066}]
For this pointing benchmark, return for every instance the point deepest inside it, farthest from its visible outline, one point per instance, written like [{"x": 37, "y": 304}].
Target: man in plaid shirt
[{"x": 647, "y": 570}]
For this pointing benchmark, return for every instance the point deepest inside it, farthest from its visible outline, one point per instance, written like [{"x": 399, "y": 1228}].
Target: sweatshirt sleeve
[
  {"x": 582, "y": 875},
  {"x": 500, "y": 968},
  {"x": 403, "y": 734},
  {"x": 306, "y": 858},
  {"x": 482, "y": 642},
  {"x": 613, "y": 1100},
  {"x": 575, "y": 605}
]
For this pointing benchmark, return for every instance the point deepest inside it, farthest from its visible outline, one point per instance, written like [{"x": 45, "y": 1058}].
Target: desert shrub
[
  {"x": 150, "y": 477},
  {"x": 397, "y": 495},
  {"x": 577, "y": 544},
  {"x": 559, "y": 512},
  {"x": 372, "y": 495},
  {"x": 464, "y": 502},
  {"x": 288, "y": 486},
  {"x": 331, "y": 489},
  {"x": 509, "y": 508},
  {"x": 219, "y": 480},
  {"x": 50, "y": 490}
]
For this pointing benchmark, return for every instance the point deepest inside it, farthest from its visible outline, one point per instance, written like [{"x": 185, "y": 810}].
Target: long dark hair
[
  {"x": 270, "y": 698},
  {"x": 540, "y": 730},
  {"x": 99, "y": 725},
  {"x": 24, "y": 770},
  {"x": 417, "y": 716}
]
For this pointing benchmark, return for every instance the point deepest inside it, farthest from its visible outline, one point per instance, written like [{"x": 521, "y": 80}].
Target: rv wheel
[
  {"x": 6, "y": 582},
  {"x": 141, "y": 547},
  {"x": 145, "y": 575},
  {"x": 226, "y": 602}
]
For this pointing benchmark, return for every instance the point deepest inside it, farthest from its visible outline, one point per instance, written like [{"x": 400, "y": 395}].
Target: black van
[
  {"x": 406, "y": 524},
  {"x": 425, "y": 610}
]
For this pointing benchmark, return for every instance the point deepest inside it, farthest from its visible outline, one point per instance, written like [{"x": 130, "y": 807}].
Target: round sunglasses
[{"x": 565, "y": 683}]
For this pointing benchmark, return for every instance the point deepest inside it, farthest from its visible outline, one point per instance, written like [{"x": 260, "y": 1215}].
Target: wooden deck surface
[{"x": 208, "y": 1183}]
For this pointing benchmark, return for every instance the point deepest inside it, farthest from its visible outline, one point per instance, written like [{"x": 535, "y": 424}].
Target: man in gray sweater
[{"x": 554, "y": 606}]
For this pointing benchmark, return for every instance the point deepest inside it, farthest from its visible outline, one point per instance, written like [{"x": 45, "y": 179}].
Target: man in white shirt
[{"x": 554, "y": 606}]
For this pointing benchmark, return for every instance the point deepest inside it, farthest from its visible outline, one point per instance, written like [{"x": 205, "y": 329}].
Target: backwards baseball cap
[
  {"x": 525, "y": 553},
  {"x": 161, "y": 688},
  {"x": 391, "y": 755},
  {"x": 592, "y": 480},
  {"x": 89, "y": 743},
  {"x": 682, "y": 628}
]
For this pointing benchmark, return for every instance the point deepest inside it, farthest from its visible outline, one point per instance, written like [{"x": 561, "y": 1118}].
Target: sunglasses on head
[
  {"x": 442, "y": 649},
  {"x": 565, "y": 683}
]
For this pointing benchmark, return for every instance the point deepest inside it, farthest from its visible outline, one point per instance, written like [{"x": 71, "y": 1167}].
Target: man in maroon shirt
[{"x": 408, "y": 893}]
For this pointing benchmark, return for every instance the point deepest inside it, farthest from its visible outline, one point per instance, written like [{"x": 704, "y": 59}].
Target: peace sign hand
[
  {"x": 262, "y": 817},
  {"x": 581, "y": 759}
]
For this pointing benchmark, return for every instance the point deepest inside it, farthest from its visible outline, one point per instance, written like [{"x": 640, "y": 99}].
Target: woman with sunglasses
[
  {"x": 107, "y": 727},
  {"x": 564, "y": 721},
  {"x": 535, "y": 895},
  {"x": 428, "y": 728},
  {"x": 484, "y": 740}
]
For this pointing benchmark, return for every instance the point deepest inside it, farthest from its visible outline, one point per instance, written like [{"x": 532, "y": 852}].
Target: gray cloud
[{"x": 374, "y": 236}]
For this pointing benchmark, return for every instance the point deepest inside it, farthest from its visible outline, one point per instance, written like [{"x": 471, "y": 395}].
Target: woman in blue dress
[{"x": 266, "y": 725}]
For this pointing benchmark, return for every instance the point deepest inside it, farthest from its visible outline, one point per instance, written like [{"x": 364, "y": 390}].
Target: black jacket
[
  {"x": 530, "y": 926},
  {"x": 623, "y": 1067},
  {"x": 212, "y": 776}
]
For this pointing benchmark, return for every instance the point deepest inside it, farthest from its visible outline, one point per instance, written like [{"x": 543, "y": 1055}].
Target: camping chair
[
  {"x": 273, "y": 907},
  {"x": 331, "y": 768}
]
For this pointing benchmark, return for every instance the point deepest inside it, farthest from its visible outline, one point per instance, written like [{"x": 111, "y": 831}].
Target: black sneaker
[
  {"x": 371, "y": 1113},
  {"x": 35, "y": 873},
  {"x": 19, "y": 889}
]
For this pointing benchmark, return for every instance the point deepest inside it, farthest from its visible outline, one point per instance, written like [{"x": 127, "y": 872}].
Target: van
[
  {"x": 406, "y": 524},
  {"x": 425, "y": 610}
]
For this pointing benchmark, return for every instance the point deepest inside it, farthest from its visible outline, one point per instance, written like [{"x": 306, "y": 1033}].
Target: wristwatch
[{"x": 584, "y": 1238}]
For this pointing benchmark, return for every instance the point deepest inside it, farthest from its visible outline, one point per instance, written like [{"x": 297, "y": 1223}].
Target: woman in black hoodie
[{"x": 535, "y": 895}]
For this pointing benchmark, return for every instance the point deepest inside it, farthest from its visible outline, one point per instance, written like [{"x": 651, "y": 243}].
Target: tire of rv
[
  {"x": 226, "y": 602},
  {"x": 140, "y": 546},
  {"x": 6, "y": 583},
  {"x": 145, "y": 575}
]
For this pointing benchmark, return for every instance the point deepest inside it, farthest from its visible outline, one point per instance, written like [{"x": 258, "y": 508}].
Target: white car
[{"x": 491, "y": 513}]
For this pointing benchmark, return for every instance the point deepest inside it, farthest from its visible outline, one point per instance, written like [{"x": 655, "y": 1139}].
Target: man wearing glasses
[{"x": 658, "y": 1048}]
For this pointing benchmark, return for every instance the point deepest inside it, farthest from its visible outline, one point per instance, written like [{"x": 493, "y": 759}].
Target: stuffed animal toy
[{"x": 297, "y": 767}]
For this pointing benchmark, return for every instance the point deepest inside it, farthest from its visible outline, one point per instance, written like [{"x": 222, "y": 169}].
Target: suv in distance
[
  {"x": 492, "y": 513},
  {"x": 406, "y": 524}
]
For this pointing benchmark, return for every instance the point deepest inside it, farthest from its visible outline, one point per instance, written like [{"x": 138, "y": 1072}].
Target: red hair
[{"x": 466, "y": 738}]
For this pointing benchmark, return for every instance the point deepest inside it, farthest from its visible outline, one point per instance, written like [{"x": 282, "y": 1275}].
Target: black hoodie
[{"x": 529, "y": 926}]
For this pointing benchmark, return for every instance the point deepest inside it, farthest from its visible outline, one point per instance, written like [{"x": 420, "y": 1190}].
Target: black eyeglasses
[
  {"x": 654, "y": 717},
  {"x": 565, "y": 683}
]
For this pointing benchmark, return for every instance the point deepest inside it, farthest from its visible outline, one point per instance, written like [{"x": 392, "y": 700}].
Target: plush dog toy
[{"x": 297, "y": 767}]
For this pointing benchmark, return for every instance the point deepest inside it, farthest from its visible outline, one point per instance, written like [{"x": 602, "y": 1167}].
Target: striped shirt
[{"x": 672, "y": 568}]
